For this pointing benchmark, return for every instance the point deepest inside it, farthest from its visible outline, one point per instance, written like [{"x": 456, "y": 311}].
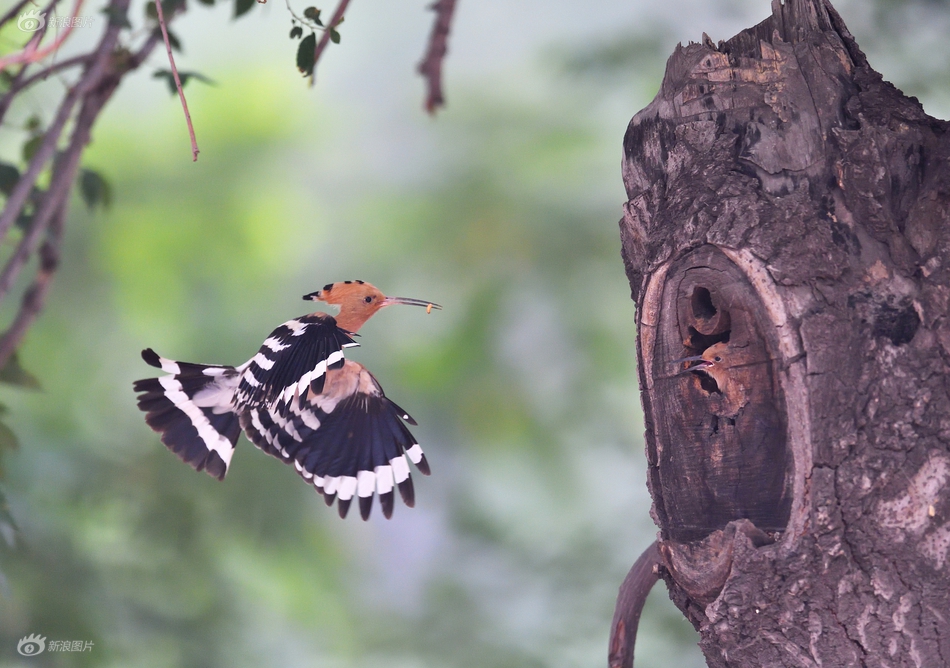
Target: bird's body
[{"x": 299, "y": 400}]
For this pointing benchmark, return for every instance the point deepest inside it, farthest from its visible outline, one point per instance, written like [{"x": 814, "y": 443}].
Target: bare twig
[
  {"x": 32, "y": 53},
  {"x": 48, "y": 71},
  {"x": 20, "y": 83},
  {"x": 325, "y": 38},
  {"x": 181, "y": 92},
  {"x": 24, "y": 186},
  {"x": 7, "y": 98},
  {"x": 431, "y": 65}
]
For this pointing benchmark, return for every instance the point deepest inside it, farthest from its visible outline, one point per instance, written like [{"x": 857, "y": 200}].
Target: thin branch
[
  {"x": 305, "y": 21},
  {"x": 97, "y": 85},
  {"x": 24, "y": 186},
  {"x": 92, "y": 79},
  {"x": 7, "y": 98},
  {"x": 181, "y": 92},
  {"x": 32, "y": 53},
  {"x": 48, "y": 71},
  {"x": 35, "y": 296},
  {"x": 56, "y": 197},
  {"x": 325, "y": 38},
  {"x": 431, "y": 65},
  {"x": 17, "y": 80},
  {"x": 19, "y": 83}
]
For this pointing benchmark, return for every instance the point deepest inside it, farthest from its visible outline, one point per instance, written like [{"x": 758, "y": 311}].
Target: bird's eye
[
  {"x": 717, "y": 358},
  {"x": 368, "y": 298}
]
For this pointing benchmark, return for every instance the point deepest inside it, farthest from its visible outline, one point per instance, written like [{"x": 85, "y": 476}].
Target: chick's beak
[
  {"x": 313, "y": 296},
  {"x": 703, "y": 364}
]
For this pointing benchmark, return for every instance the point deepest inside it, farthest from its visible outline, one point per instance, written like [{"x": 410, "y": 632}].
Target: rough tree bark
[{"x": 786, "y": 202}]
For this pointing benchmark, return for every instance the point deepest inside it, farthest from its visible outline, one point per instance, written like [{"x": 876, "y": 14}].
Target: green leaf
[
  {"x": 172, "y": 38},
  {"x": 14, "y": 374},
  {"x": 169, "y": 79},
  {"x": 334, "y": 36},
  {"x": 242, "y": 7},
  {"x": 305, "y": 60},
  {"x": 117, "y": 17},
  {"x": 9, "y": 175},
  {"x": 169, "y": 7},
  {"x": 296, "y": 32},
  {"x": 197, "y": 76},
  {"x": 312, "y": 13},
  {"x": 207, "y": 2},
  {"x": 33, "y": 124},
  {"x": 184, "y": 76},
  {"x": 95, "y": 190},
  {"x": 30, "y": 146}
]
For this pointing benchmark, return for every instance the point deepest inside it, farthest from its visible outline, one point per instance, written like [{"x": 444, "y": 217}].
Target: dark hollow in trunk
[
  {"x": 720, "y": 448},
  {"x": 788, "y": 228}
]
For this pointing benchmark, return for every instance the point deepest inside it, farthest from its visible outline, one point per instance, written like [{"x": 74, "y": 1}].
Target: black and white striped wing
[
  {"x": 295, "y": 357},
  {"x": 191, "y": 409},
  {"x": 355, "y": 447},
  {"x": 361, "y": 449}
]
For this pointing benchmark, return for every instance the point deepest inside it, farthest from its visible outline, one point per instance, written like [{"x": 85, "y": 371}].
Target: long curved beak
[{"x": 389, "y": 301}]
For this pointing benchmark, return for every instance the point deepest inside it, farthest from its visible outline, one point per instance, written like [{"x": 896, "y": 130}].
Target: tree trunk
[{"x": 788, "y": 209}]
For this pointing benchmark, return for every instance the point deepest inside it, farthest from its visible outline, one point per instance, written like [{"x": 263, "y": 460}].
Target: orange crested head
[{"x": 359, "y": 301}]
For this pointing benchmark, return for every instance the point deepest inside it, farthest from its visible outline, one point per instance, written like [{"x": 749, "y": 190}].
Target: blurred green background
[{"x": 503, "y": 209}]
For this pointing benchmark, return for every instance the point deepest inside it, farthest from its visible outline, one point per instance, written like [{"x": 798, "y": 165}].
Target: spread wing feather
[
  {"x": 357, "y": 449},
  {"x": 295, "y": 357}
]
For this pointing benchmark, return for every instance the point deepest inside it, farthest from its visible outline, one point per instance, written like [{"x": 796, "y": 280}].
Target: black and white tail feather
[
  {"x": 191, "y": 408},
  {"x": 298, "y": 400}
]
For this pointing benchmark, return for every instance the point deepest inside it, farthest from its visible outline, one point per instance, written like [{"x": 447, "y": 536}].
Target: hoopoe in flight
[{"x": 299, "y": 400}]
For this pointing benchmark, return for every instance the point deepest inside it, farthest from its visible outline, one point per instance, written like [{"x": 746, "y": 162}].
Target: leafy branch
[{"x": 310, "y": 50}]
